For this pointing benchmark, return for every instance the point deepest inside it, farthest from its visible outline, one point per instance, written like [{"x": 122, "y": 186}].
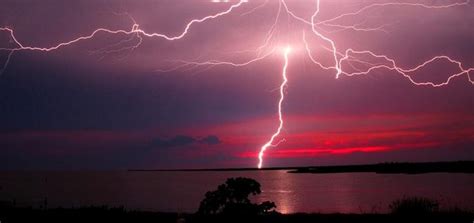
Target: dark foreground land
[
  {"x": 103, "y": 214},
  {"x": 402, "y": 168}
]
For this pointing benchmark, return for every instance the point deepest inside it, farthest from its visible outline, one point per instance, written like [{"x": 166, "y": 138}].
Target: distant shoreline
[{"x": 381, "y": 168}]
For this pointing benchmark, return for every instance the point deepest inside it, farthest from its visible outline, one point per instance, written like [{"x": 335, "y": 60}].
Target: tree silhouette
[{"x": 232, "y": 197}]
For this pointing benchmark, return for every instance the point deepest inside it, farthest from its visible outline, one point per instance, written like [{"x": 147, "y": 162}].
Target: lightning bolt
[
  {"x": 283, "y": 86},
  {"x": 134, "y": 30},
  {"x": 348, "y": 62}
]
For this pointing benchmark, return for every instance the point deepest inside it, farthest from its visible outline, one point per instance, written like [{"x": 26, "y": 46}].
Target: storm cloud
[{"x": 183, "y": 140}]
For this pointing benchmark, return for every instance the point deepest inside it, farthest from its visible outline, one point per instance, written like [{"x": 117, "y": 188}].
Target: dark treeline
[
  {"x": 407, "y": 168},
  {"x": 392, "y": 167}
]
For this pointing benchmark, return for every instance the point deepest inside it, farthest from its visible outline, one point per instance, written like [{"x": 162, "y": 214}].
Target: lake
[{"x": 182, "y": 191}]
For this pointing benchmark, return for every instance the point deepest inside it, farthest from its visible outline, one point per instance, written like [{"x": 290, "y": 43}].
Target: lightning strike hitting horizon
[
  {"x": 347, "y": 62},
  {"x": 280, "y": 102}
]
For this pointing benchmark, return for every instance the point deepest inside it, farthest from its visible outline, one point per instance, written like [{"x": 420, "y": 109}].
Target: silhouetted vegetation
[
  {"x": 105, "y": 214},
  {"x": 414, "y": 206},
  {"x": 81, "y": 215},
  {"x": 393, "y": 167},
  {"x": 232, "y": 198},
  {"x": 407, "y": 168}
]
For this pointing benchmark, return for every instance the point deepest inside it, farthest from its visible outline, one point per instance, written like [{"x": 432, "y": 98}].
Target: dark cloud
[
  {"x": 179, "y": 140},
  {"x": 210, "y": 140},
  {"x": 183, "y": 140}
]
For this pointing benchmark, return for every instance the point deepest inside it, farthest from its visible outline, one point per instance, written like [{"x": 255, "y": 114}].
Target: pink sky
[{"x": 80, "y": 108}]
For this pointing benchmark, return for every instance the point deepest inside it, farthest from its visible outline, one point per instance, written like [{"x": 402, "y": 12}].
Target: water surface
[{"x": 182, "y": 191}]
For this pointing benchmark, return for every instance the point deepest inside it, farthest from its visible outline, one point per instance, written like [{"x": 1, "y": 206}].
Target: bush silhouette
[
  {"x": 414, "y": 206},
  {"x": 232, "y": 197}
]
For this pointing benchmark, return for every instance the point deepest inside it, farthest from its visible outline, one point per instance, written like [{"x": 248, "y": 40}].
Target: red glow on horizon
[
  {"x": 315, "y": 152},
  {"x": 312, "y": 152}
]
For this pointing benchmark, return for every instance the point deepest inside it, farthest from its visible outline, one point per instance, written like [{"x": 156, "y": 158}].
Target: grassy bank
[{"x": 105, "y": 214}]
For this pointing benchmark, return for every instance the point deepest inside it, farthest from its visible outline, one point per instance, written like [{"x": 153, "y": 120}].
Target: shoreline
[
  {"x": 380, "y": 168},
  {"x": 103, "y": 213}
]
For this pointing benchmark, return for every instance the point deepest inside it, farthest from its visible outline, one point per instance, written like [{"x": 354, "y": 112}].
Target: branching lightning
[
  {"x": 343, "y": 60},
  {"x": 135, "y": 30}
]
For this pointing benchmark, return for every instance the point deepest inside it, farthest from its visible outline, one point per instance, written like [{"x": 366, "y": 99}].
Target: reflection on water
[
  {"x": 182, "y": 191},
  {"x": 279, "y": 190}
]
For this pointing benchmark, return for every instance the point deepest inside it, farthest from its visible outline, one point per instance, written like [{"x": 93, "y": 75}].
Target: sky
[{"x": 129, "y": 101}]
